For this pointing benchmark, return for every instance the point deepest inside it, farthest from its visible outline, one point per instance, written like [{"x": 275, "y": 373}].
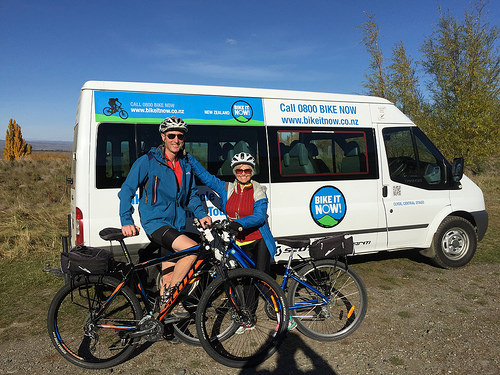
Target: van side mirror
[{"x": 457, "y": 169}]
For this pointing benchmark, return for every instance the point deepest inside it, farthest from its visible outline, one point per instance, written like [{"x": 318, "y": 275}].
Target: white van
[{"x": 331, "y": 164}]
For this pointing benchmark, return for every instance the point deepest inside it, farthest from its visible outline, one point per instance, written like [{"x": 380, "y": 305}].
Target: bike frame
[
  {"x": 133, "y": 270},
  {"x": 246, "y": 262},
  {"x": 132, "y": 273}
]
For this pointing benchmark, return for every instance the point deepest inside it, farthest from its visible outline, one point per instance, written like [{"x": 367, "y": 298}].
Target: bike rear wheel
[
  {"x": 108, "y": 111},
  {"x": 345, "y": 308},
  {"x": 74, "y": 329},
  {"x": 240, "y": 301}
]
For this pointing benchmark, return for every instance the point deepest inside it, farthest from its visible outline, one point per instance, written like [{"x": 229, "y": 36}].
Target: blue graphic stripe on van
[{"x": 125, "y": 106}]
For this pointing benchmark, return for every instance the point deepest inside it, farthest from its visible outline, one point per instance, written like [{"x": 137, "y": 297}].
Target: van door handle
[{"x": 385, "y": 191}]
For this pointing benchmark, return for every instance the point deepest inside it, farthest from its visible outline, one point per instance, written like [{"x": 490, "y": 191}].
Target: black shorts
[
  {"x": 165, "y": 237},
  {"x": 257, "y": 251}
]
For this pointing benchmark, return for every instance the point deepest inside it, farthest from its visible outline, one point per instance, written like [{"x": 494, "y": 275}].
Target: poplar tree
[
  {"x": 463, "y": 63},
  {"x": 397, "y": 82},
  {"x": 404, "y": 86},
  {"x": 377, "y": 80},
  {"x": 15, "y": 146}
]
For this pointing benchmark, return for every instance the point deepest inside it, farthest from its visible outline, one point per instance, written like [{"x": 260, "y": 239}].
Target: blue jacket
[
  {"x": 225, "y": 190},
  {"x": 159, "y": 201}
]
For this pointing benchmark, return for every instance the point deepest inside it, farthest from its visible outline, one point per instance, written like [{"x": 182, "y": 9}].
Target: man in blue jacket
[{"x": 167, "y": 190}]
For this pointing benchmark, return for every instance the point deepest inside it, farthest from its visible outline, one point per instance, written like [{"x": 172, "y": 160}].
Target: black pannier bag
[
  {"x": 86, "y": 260},
  {"x": 331, "y": 247}
]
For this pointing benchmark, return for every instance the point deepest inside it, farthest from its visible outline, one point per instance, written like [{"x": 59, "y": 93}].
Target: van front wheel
[{"x": 454, "y": 243}]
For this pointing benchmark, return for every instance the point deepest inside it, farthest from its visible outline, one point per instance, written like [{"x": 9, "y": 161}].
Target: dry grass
[
  {"x": 487, "y": 251},
  {"x": 34, "y": 202},
  {"x": 47, "y": 156}
]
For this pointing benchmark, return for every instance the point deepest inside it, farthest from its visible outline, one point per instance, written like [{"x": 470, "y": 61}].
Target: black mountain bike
[
  {"x": 96, "y": 321},
  {"x": 108, "y": 111}
]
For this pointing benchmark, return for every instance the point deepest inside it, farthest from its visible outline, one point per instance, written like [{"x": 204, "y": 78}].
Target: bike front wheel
[
  {"x": 87, "y": 336},
  {"x": 341, "y": 311},
  {"x": 238, "y": 304},
  {"x": 123, "y": 114}
]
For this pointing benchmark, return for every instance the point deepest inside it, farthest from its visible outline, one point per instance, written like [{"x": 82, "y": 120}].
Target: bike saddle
[{"x": 111, "y": 234}]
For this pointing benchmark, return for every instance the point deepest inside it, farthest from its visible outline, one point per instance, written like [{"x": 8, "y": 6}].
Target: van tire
[{"x": 454, "y": 243}]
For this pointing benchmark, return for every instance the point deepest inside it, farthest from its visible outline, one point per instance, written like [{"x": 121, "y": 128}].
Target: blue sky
[{"x": 50, "y": 48}]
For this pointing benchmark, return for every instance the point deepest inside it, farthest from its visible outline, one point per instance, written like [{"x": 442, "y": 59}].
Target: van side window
[
  {"x": 147, "y": 137},
  {"x": 119, "y": 145},
  {"x": 320, "y": 154},
  {"x": 413, "y": 159},
  {"x": 215, "y": 145}
]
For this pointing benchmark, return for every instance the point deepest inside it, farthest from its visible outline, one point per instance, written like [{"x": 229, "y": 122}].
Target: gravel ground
[{"x": 420, "y": 320}]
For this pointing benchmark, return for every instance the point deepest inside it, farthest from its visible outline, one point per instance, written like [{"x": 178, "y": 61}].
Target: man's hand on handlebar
[
  {"x": 206, "y": 222},
  {"x": 130, "y": 230}
]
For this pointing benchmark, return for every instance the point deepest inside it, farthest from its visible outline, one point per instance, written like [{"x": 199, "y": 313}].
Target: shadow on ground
[
  {"x": 412, "y": 255},
  {"x": 287, "y": 359}
]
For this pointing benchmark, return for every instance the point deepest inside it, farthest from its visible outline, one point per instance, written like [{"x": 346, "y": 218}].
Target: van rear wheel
[{"x": 454, "y": 243}]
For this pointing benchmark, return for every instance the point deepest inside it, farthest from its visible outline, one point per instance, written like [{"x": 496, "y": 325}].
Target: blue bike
[{"x": 326, "y": 298}]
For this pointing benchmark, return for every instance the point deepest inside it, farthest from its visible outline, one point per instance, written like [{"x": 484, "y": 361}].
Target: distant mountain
[
  {"x": 43, "y": 146},
  {"x": 51, "y": 145}
]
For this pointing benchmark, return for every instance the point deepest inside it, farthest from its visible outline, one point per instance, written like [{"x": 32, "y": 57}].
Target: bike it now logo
[
  {"x": 328, "y": 206},
  {"x": 242, "y": 111}
]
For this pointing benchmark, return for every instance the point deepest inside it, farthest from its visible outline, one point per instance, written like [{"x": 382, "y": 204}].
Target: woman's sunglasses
[
  {"x": 172, "y": 136},
  {"x": 246, "y": 171}
]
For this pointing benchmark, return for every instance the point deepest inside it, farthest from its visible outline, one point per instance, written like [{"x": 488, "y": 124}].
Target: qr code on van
[{"x": 396, "y": 190}]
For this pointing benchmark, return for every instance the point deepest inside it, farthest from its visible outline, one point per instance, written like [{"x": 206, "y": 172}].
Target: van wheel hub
[{"x": 455, "y": 243}]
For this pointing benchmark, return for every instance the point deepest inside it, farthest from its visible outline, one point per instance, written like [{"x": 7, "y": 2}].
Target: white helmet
[
  {"x": 173, "y": 123},
  {"x": 242, "y": 158}
]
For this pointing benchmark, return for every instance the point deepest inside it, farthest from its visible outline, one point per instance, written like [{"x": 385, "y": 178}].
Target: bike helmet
[
  {"x": 173, "y": 123},
  {"x": 243, "y": 158}
]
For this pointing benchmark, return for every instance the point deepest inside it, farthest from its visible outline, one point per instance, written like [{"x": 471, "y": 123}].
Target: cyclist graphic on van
[
  {"x": 115, "y": 106},
  {"x": 114, "y": 102}
]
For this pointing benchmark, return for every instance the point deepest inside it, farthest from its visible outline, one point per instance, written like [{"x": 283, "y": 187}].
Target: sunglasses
[
  {"x": 246, "y": 171},
  {"x": 180, "y": 137}
]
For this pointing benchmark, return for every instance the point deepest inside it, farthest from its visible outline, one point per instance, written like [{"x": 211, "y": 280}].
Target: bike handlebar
[{"x": 221, "y": 227}]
